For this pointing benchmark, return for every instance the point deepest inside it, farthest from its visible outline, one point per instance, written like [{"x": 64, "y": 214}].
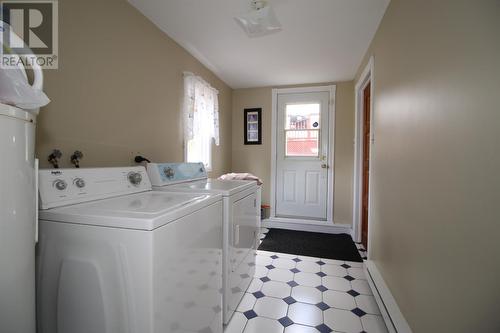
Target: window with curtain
[{"x": 201, "y": 119}]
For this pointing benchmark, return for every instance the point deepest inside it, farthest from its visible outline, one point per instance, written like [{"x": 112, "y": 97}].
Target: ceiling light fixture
[{"x": 260, "y": 21}]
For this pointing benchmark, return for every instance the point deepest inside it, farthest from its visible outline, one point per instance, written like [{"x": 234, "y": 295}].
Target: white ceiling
[{"x": 321, "y": 41}]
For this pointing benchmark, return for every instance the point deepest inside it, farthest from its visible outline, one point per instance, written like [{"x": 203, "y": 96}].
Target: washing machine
[
  {"x": 116, "y": 257},
  {"x": 241, "y": 221}
]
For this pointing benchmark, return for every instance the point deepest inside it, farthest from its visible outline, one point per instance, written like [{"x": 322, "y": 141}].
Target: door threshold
[{"x": 307, "y": 225}]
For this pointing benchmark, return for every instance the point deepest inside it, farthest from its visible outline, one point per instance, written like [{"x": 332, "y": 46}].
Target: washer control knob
[
  {"x": 79, "y": 182},
  {"x": 134, "y": 178},
  {"x": 60, "y": 184}
]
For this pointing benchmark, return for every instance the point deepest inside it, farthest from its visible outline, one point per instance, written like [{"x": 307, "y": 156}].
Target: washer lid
[
  {"x": 142, "y": 211},
  {"x": 223, "y": 187}
]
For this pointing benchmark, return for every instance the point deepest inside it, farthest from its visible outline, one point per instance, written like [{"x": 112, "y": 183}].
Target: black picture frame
[{"x": 253, "y": 126}]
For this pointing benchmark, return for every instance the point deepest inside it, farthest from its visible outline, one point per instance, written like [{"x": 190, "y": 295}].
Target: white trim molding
[
  {"x": 331, "y": 156},
  {"x": 393, "y": 317},
  {"x": 274, "y": 122},
  {"x": 307, "y": 225},
  {"x": 367, "y": 76}
]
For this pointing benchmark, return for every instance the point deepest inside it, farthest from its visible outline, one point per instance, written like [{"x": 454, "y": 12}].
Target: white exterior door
[{"x": 302, "y": 148}]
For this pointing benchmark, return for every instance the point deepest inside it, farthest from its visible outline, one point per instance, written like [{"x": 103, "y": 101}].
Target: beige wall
[
  {"x": 118, "y": 90},
  {"x": 435, "y": 221},
  {"x": 256, "y": 158},
  {"x": 253, "y": 158}
]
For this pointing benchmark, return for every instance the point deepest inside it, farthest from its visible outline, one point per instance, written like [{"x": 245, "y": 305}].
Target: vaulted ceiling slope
[{"x": 321, "y": 41}]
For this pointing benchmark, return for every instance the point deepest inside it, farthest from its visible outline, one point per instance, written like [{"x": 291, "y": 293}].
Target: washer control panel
[{"x": 60, "y": 187}]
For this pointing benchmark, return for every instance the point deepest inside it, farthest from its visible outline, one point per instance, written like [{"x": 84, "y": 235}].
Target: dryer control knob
[
  {"x": 169, "y": 173},
  {"x": 60, "y": 184},
  {"x": 135, "y": 178}
]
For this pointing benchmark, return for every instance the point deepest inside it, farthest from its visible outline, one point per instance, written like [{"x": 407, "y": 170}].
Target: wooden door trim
[
  {"x": 365, "y": 164},
  {"x": 367, "y": 76},
  {"x": 331, "y": 138}
]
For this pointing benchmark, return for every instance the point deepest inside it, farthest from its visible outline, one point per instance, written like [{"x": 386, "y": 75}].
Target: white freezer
[
  {"x": 17, "y": 220},
  {"x": 18, "y": 206}
]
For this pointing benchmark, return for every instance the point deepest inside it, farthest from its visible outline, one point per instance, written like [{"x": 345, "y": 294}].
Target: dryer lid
[{"x": 223, "y": 187}]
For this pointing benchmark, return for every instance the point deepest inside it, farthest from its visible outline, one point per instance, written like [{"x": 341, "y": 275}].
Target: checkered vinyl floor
[{"x": 298, "y": 294}]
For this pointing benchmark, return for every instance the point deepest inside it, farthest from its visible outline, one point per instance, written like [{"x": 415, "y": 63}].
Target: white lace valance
[{"x": 201, "y": 109}]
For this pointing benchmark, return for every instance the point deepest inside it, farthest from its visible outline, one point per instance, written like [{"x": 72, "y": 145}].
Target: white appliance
[
  {"x": 116, "y": 257},
  {"x": 241, "y": 221},
  {"x": 18, "y": 188},
  {"x": 17, "y": 220}
]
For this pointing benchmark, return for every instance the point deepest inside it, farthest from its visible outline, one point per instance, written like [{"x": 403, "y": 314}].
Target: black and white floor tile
[{"x": 298, "y": 294}]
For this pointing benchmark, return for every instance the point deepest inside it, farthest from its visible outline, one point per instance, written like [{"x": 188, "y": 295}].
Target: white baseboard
[
  {"x": 307, "y": 225},
  {"x": 394, "y": 319}
]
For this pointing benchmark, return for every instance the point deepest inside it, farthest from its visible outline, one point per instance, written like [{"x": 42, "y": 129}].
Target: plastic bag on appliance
[
  {"x": 15, "y": 90},
  {"x": 14, "y": 86}
]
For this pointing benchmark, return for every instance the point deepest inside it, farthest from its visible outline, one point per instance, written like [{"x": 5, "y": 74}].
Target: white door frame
[
  {"x": 366, "y": 76},
  {"x": 331, "y": 158}
]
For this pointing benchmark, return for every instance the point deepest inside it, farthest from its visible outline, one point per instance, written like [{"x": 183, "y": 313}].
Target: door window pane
[
  {"x": 302, "y": 116},
  {"x": 302, "y": 130},
  {"x": 302, "y": 143}
]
